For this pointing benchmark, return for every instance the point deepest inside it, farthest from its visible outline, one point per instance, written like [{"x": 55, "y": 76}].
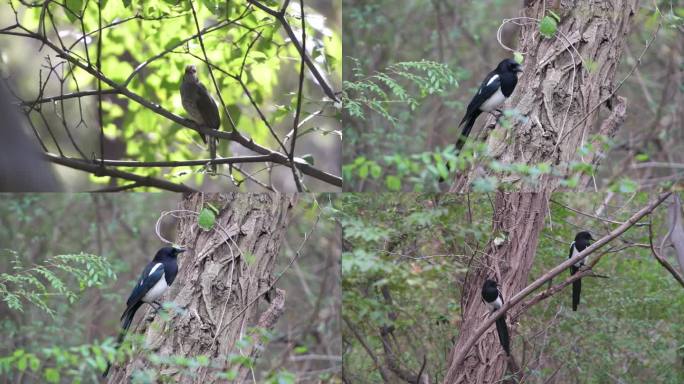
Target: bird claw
[
  {"x": 157, "y": 308},
  {"x": 497, "y": 115}
]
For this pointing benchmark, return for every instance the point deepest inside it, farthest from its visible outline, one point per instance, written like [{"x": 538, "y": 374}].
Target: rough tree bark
[
  {"x": 558, "y": 93},
  {"x": 518, "y": 219},
  {"x": 221, "y": 284}
]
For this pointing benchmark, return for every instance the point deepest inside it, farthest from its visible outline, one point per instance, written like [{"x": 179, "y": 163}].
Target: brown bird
[{"x": 201, "y": 106}]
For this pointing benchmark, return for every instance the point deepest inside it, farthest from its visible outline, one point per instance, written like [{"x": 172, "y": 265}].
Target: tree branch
[
  {"x": 280, "y": 16},
  {"x": 99, "y": 171},
  {"x": 461, "y": 354}
]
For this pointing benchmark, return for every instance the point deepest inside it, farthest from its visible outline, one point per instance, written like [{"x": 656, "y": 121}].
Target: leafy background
[{"x": 143, "y": 30}]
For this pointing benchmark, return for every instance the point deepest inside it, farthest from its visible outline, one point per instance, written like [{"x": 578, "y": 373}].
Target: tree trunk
[
  {"x": 223, "y": 277},
  {"x": 518, "y": 220},
  {"x": 558, "y": 95}
]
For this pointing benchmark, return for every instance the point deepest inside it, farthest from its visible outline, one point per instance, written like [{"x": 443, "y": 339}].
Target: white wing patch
[
  {"x": 156, "y": 266},
  {"x": 494, "y": 78}
]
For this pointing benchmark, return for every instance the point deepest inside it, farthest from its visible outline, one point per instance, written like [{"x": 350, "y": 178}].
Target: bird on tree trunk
[{"x": 201, "y": 107}]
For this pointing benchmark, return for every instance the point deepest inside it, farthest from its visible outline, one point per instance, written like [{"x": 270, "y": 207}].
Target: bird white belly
[
  {"x": 495, "y": 305},
  {"x": 574, "y": 253},
  {"x": 156, "y": 291},
  {"x": 493, "y": 102}
]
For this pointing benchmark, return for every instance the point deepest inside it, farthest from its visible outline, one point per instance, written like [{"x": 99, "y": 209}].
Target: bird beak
[
  {"x": 180, "y": 250},
  {"x": 518, "y": 68}
]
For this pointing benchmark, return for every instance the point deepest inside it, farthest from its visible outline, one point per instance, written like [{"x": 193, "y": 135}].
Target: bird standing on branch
[
  {"x": 582, "y": 241},
  {"x": 152, "y": 284},
  {"x": 492, "y": 297},
  {"x": 496, "y": 88},
  {"x": 201, "y": 106}
]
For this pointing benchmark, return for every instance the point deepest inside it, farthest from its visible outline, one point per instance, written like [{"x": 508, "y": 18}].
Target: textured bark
[
  {"x": 219, "y": 287},
  {"x": 558, "y": 94},
  {"x": 518, "y": 220}
]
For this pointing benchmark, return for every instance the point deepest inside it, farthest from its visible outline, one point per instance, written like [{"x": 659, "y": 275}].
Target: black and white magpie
[
  {"x": 582, "y": 241},
  {"x": 494, "y": 90},
  {"x": 496, "y": 87},
  {"x": 492, "y": 297},
  {"x": 155, "y": 279}
]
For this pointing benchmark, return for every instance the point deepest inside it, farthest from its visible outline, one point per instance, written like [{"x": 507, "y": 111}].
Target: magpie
[
  {"x": 581, "y": 242},
  {"x": 494, "y": 300},
  {"x": 496, "y": 87},
  {"x": 155, "y": 279},
  {"x": 494, "y": 90}
]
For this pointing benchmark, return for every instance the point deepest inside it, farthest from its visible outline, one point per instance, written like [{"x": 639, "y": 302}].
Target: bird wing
[
  {"x": 572, "y": 248},
  {"x": 208, "y": 108},
  {"x": 489, "y": 86},
  {"x": 150, "y": 276}
]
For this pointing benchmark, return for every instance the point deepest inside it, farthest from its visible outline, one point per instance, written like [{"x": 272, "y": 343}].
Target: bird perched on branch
[
  {"x": 492, "y": 297},
  {"x": 582, "y": 241},
  {"x": 201, "y": 106},
  {"x": 496, "y": 87},
  {"x": 155, "y": 279}
]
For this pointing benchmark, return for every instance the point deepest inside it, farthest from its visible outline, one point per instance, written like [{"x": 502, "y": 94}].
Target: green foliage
[
  {"x": 206, "y": 219},
  {"x": 39, "y": 283},
  {"x": 406, "y": 244},
  {"x": 548, "y": 26},
  {"x": 392, "y": 88},
  {"x": 145, "y": 48},
  {"x": 55, "y": 364}
]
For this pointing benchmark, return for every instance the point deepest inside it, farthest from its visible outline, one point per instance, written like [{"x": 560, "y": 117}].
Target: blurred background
[
  {"x": 402, "y": 112},
  {"x": 247, "y": 41},
  {"x": 87, "y": 251}
]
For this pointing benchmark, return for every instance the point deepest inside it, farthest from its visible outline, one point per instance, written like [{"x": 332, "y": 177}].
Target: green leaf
[
  {"x": 308, "y": 158},
  {"x": 548, "y": 26},
  {"x": 641, "y": 157},
  {"x": 363, "y": 171},
  {"x": 34, "y": 363},
  {"x": 628, "y": 186},
  {"x": 52, "y": 375},
  {"x": 518, "y": 57},
  {"x": 301, "y": 349},
  {"x": 375, "y": 171},
  {"x": 206, "y": 219},
  {"x": 73, "y": 9},
  {"x": 393, "y": 183},
  {"x": 21, "y": 363},
  {"x": 249, "y": 258},
  {"x": 172, "y": 43}
]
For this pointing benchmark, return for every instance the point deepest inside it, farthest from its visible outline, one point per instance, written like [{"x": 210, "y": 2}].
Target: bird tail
[
  {"x": 465, "y": 132},
  {"x": 502, "y": 330},
  {"x": 576, "y": 288},
  {"x": 126, "y": 320},
  {"x": 212, "y": 152},
  {"x": 469, "y": 122}
]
